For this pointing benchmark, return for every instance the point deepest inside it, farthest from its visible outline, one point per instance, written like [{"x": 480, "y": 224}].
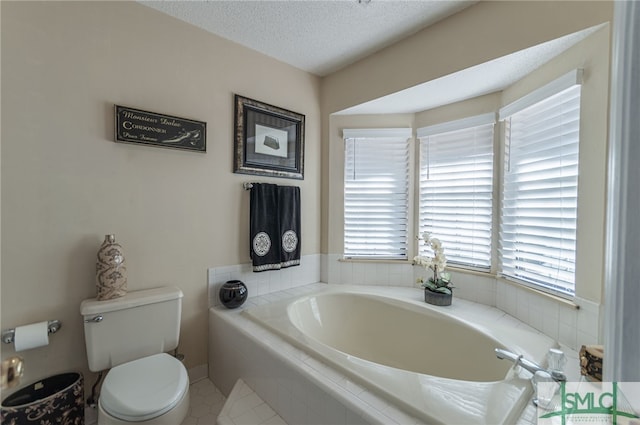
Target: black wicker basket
[{"x": 58, "y": 399}]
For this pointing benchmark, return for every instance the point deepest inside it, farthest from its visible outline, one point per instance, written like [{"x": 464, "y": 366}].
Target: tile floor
[
  {"x": 206, "y": 403},
  {"x": 243, "y": 407}
]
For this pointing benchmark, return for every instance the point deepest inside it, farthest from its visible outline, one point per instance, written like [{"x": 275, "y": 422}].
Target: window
[
  {"x": 456, "y": 188},
  {"x": 376, "y": 193},
  {"x": 539, "y": 200}
]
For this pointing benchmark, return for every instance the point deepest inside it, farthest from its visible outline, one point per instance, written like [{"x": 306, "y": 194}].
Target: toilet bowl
[
  {"x": 129, "y": 337},
  {"x": 150, "y": 390}
]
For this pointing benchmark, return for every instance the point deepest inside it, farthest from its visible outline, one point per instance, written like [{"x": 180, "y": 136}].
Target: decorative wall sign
[
  {"x": 269, "y": 141},
  {"x": 149, "y": 128}
]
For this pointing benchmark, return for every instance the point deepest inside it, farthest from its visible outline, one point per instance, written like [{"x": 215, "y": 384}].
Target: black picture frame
[
  {"x": 150, "y": 128},
  {"x": 269, "y": 141}
]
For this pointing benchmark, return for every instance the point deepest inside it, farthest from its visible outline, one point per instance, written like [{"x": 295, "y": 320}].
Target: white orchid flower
[{"x": 437, "y": 262}]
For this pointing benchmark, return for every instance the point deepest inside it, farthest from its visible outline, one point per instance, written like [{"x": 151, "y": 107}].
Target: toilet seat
[{"x": 144, "y": 389}]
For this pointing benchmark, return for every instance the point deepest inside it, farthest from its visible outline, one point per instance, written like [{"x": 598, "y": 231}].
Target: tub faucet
[{"x": 530, "y": 366}]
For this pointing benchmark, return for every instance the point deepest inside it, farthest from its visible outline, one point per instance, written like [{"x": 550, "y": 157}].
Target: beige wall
[
  {"x": 485, "y": 31},
  {"x": 591, "y": 54},
  {"x": 65, "y": 183},
  {"x": 459, "y": 110}
]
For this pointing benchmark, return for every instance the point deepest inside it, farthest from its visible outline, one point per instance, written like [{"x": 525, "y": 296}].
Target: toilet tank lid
[{"x": 130, "y": 300}]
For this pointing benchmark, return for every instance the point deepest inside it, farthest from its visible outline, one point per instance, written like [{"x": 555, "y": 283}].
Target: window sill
[
  {"x": 556, "y": 298},
  {"x": 560, "y": 300},
  {"x": 374, "y": 260},
  {"x": 471, "y": 272}
]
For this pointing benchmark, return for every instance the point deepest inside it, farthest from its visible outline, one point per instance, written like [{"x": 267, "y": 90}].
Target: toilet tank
[{"x": 139, "y": 324}]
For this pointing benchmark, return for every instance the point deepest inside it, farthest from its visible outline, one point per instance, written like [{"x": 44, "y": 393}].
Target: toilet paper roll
[{"x": 31, "y": 336}]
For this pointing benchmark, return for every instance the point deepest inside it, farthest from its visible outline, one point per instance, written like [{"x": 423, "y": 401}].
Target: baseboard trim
[{"x": 198, "y": 373}]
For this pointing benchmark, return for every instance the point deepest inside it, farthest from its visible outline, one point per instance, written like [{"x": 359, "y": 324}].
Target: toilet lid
[{"x": 145, "y": 388}]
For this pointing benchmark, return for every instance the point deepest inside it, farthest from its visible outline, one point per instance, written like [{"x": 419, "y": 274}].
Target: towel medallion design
[
  {"x": 289, "y": 241},
  {"x": 261, "y": 244}
]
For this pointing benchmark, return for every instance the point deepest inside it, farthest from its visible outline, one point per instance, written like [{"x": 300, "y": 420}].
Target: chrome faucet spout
[{"x": 528, "y": 365}]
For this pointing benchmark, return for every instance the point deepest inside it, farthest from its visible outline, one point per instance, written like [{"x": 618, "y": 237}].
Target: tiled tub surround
[
  {"x": 266, "y": 282},
  {"x": 304, "y": 389},
  {"x": 569, "y": 325}
]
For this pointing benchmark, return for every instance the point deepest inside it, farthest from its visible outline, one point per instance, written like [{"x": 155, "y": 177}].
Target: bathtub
[{"x": 435, "y": 363}]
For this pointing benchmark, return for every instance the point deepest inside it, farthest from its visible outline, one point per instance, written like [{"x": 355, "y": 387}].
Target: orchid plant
[{"x": 440, "y": 282}]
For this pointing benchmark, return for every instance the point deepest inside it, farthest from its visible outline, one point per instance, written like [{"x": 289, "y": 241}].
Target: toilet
[{"x": 131, "y": 336}]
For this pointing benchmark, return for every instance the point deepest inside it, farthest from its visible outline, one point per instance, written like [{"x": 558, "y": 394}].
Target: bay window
[{"x": 537, "y": 213}]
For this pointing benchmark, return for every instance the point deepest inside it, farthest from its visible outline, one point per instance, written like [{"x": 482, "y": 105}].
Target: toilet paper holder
[{"x": 8, "y": 335}]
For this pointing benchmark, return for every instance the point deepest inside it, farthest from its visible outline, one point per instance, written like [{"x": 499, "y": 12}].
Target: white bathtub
[{"x": 436, "y": 363}]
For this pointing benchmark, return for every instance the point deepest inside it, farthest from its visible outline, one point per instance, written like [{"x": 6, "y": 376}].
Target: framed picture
[
  {"x": 150, "y": 128},
  {"x": 269, "y": 141}
]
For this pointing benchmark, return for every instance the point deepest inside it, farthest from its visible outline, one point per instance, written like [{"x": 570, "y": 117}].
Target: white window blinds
[
  {"x": 539, "y": 205},
  {"x": 376, "y": 193},
  {"x": 456, "y": 189}
]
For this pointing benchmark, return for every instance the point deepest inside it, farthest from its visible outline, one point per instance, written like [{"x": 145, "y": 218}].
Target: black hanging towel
[
  {"x": 264, "y": 227},
  {"x": 274, "y": 226},
  {"x": 289, "y": 212}
]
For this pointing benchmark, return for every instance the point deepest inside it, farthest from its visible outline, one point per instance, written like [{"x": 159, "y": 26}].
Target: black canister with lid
[{"x": 233, "y": 293}]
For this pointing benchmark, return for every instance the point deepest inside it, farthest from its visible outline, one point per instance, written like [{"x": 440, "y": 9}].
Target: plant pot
[{"x": 437, "y": 298}]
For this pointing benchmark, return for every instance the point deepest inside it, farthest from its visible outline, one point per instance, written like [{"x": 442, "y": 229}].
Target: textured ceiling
[
  {"x": 317, "y": 36},
  {"x": 322, "y": 36}
]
